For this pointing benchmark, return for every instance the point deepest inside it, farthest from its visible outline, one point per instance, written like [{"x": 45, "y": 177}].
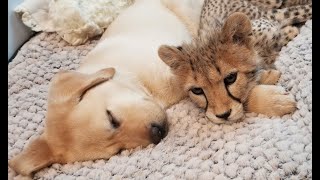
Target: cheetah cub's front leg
[
  {"x": 269, "y": 77},
  {"x": 270, "y": 100}
]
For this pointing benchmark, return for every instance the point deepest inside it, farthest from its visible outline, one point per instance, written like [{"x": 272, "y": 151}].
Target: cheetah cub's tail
[
  {"x": 291, "y": 15},
  {"x": 294, "y": 3}
]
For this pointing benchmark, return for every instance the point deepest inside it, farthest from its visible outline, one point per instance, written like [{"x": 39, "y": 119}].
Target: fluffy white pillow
[{"x": 74, "y": 20}]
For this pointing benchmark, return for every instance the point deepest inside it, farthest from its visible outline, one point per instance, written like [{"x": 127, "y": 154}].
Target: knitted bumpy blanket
[{"x": 260, "y": 147}]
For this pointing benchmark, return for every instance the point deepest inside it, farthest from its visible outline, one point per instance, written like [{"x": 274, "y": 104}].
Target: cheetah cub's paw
[
  {"x": 270, "y": 100},
  {"x": 269, "y": 77},
  {"x": 288, "y": 33}
]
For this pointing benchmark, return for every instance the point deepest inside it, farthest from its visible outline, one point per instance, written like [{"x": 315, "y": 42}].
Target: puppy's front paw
[
  {"x": 270, "y": 100},
  {"x": 166, "y": 3}
]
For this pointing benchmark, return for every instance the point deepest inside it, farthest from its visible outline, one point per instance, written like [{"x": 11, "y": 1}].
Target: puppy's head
[
  {"x": 217, "y": 70},
  {"x": 91, "y": 116}
]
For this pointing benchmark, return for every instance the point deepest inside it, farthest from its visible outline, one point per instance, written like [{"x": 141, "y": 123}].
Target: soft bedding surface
[{"x": 257, "y": 148}]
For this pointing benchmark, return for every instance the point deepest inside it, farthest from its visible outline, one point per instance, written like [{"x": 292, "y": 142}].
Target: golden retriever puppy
[{"x": 116, "y": 99}]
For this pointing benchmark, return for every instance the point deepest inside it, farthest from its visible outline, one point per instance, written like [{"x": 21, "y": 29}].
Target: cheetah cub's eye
[
  {"x": 230, "y": 79},
  {"x": 197, "y": 91}
]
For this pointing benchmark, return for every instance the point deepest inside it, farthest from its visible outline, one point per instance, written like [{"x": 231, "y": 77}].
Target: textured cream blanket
[
  {"x": 257, "y": 148},
  {"x": 74, "y": 20}
]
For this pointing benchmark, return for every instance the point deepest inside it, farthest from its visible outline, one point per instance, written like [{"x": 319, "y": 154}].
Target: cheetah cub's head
[{"x": 217, "y": 70}]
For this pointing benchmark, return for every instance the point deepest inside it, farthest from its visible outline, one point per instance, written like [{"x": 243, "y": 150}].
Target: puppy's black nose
[{"x": 158, "y": 132}]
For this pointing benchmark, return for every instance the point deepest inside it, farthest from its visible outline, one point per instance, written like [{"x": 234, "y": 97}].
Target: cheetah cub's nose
[{"x": 225, "y": 115}]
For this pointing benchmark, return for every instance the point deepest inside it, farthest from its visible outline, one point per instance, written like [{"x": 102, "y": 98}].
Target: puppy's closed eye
[{"x": 114, "y": 122}]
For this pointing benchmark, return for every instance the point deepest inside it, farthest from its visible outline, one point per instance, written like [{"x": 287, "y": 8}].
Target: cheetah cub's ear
[
  {"x": 172, "y": 56},
  {"x": 237, "y": 29}
]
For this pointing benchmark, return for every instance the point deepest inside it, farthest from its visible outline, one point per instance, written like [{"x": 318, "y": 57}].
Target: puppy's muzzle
[{"x": 158, "y": 131}]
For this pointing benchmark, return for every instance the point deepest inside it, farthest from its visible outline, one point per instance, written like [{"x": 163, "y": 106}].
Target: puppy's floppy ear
[
  {"x": 171, "y": 56},
  {"x": 237, "y": 29},
  {"x": 74, "y": 84},
  {"x": 36, "y": 156}
]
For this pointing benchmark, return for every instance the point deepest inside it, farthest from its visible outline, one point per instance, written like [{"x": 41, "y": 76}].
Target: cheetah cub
[{"x": 221, "y": 67}]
